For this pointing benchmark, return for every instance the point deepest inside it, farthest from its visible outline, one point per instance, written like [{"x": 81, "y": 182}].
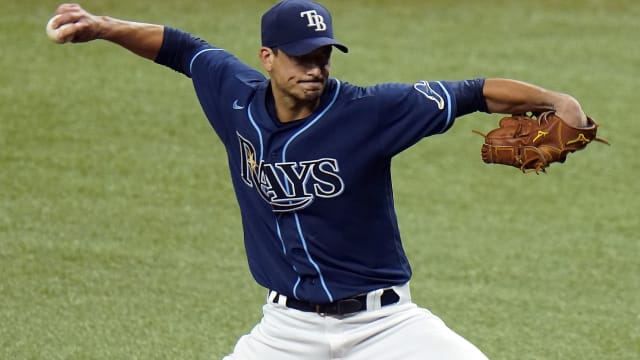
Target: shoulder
[
  {"x": 384, "y": 90},
  {"x": 216, "y": 60},
  {"x": 349, "y": 92},
  {"x": 382, "y": 95}
]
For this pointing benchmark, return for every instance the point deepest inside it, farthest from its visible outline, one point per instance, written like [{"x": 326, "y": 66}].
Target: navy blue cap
[{"x": 298, "y": 27}]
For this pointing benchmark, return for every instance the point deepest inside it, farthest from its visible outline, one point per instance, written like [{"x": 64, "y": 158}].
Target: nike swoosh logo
[{"x": 237, "y": 106}]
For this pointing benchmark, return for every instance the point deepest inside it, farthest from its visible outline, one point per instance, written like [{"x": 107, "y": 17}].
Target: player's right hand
[{"x": 83, "y": 26}]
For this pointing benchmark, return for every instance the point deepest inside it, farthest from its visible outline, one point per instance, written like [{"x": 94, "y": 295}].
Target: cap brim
[{"x": 306, "y": 46}]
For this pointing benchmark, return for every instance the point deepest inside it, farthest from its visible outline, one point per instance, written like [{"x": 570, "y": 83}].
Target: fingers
[
  {"x": 571, "y": 112},
  {"x": 63, "y": 8},
  {"x": 68, "y": 13},
  {"x": 59, "y": 33},
  {"x": 75, "y": 24}
]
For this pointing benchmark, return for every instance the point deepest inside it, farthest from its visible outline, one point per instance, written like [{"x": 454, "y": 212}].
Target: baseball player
[{"x": 310, "y": 160}]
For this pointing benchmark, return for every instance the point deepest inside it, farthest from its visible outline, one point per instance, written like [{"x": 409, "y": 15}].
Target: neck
[{"x": 292, "y": 112}]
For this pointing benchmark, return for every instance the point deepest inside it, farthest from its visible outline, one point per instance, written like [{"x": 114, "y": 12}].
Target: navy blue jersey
[{"x": 315, "y": 195}]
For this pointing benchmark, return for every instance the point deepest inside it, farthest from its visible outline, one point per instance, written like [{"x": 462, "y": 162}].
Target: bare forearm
[
  {"x": 515, "y": 97},
  {"x": 142, "y": 39}
]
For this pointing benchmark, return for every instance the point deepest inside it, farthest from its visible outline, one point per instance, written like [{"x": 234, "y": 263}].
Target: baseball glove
[{"x": 533, "y": 142}]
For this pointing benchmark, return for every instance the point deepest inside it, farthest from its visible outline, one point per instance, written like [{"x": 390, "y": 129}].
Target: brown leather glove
[{"x": 534, "y": 142}]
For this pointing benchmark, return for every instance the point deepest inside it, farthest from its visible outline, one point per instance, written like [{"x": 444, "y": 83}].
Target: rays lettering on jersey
[{"x": 289, "y": 186}]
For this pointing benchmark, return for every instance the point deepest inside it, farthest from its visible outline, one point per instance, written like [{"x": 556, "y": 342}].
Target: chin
[{"x": 309, "y": 95}]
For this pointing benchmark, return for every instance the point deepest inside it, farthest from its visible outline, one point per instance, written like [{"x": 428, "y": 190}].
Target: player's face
[{"x": 300, "y": 78}]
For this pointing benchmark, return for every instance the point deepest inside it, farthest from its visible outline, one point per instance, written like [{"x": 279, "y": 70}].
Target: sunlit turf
[{"x": 120, "y": 237}]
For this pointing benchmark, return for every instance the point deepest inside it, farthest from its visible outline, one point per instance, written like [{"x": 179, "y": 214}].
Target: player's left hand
[{"x": 534, "y": 142}]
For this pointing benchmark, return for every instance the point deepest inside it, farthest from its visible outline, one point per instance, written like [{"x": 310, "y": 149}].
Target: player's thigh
[
  {"x": 416, "y": 334},
  {"x": 282, "y": 334}
]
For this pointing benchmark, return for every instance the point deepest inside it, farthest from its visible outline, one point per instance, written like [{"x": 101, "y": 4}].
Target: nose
[{"x": 314, "y": 70}]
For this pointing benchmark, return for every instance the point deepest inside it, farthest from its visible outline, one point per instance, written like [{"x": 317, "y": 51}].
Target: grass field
[{"x": 119, "y": 233}]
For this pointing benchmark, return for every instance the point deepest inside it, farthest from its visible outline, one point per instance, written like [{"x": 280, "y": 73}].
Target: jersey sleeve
[
  {"x": 410, "y": 112},
  {"x": 187, "y": 54},
  {"x": 469, "y": 96},
  {"x": 177, "y": 49},
  {"x": 219, "y": 78},
  {"x": 407, "y": 113}
]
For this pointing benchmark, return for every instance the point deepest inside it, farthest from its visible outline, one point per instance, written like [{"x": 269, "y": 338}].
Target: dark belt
[{"x": 340, "y": 307}]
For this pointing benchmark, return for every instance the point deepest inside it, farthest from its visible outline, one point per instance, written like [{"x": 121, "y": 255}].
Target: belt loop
[
  {"x": 271, "y": 296},
  {"x": 404, "y": 292},
  {"x": 282, "y": 300},
  {"x": 373, "y": 299}
]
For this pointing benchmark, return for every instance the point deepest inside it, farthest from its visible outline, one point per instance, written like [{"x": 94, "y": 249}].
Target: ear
[{"x": 266, "y": 58}]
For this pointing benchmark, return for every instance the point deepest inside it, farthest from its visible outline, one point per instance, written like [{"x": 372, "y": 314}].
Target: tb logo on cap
[{"x": 314, "y": 20}]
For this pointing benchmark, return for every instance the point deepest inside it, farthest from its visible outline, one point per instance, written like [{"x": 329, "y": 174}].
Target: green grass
[{"x": 120, "y": 237}]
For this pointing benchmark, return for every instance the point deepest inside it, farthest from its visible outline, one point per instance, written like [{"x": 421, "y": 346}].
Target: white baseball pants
[{"x": 393, "y": 332}]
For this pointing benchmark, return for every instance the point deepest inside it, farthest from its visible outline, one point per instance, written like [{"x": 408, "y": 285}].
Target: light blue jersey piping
[
  {"x": 255, "y": 126},
  {"x": 198, "y": 54},
  {"x": 297, "y": 218},
  {"x": 449, "y": 117}
]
